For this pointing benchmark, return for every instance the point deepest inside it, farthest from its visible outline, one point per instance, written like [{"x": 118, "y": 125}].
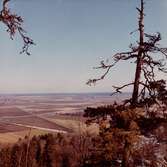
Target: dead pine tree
[
  {"x": 123, "y": 124},
  {"x": 144, "y": 55},
  {"x": 139, "y": 55}
]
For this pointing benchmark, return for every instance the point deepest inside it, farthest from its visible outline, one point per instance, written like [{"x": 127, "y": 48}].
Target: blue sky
[{"x": 72, "y": 36}]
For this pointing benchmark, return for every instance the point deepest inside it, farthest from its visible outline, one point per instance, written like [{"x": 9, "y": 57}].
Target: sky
[{"x": 71, "y": 37}]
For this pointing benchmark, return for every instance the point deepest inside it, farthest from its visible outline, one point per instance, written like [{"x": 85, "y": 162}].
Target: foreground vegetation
[
  {"x": 47, "y": 151},
  {"x": 131, "y": 134},
  {"x": 131, "y": 140}
]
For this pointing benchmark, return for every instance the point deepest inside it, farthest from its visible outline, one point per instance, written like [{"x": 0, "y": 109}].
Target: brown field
[
  {"x": 46, "y": 114},
  {"x": 12, "y": 137},
  {"x": 6, "y": 127},
  {"x": 35, "y": 121},
  {"x": 12, "y": 111}
]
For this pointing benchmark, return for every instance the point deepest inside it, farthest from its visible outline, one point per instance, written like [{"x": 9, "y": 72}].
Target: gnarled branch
[{"x": 14, "y": 24}]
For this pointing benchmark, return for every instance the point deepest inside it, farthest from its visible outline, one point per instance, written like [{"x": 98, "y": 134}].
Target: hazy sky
[{"x": 72, "y": 36}]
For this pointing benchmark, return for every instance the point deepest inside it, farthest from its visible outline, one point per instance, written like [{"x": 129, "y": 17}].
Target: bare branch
[
  {"x": 14, "y": 24},
  {"x": 93, "y": 81},
  {"x": 118, "y": 89},
  {"x": 146, "y": 63},
  {"x": 162, "y": 50},
  {"x": 117, "y": 57}
]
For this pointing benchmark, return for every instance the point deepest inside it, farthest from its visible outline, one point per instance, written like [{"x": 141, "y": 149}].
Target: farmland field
[{"x": 47, "y": 113}]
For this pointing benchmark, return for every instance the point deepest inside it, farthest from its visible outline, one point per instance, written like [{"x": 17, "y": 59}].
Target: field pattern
[{"x": 47, "y": 112}]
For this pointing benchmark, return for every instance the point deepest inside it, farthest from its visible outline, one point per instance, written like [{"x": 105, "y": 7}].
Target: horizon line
[{"x": 52, "y": 93}]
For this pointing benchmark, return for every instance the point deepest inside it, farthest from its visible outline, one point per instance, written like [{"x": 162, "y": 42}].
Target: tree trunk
[
  {"x": 139, "y": 58},
  {"x": 126, "y": 155},
  {"x": 137, "y": 80}
]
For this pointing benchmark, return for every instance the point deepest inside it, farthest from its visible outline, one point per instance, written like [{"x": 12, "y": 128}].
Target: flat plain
[{"x": 47, "y": 113}]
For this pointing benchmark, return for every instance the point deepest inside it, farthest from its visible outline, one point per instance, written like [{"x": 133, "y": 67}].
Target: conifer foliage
[
  {"x": 46, "y": 151},
  {"x": 129, "y": 130},
  {"x": 13, "y": 22}
]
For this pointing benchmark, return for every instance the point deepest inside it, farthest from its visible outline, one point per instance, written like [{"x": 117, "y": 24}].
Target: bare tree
[
  {"x": 125, "y": 124},
  {"x": 14, "y": 23},
  {"x": 144, "y": 54}
]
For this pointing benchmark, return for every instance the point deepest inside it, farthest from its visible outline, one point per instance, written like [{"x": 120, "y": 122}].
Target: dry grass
[
  {"x": 76, "y": 125},
  {"x": 12, "y": 137}
]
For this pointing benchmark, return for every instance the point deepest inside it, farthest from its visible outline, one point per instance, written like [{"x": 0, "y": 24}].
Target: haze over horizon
[{"x": 72, "y": 36}]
